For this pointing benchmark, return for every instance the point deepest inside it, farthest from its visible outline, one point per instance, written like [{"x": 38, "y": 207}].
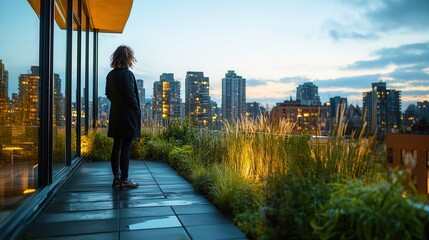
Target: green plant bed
[{"x": 370, "y": 211}]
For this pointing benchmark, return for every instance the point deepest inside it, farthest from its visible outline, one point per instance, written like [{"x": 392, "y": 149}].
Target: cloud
[
  {"x": 341, "y": 34},
  {"x": 395, "y": 14},
  {"x": 410, "y": 73},
  {"x": 296, "y": 79},
  {"x": 356, "y": 82},
  {"x": 375, "y": 17},
  {"x": 256, "y": 82},
  {"x": 416, "y": 54}
]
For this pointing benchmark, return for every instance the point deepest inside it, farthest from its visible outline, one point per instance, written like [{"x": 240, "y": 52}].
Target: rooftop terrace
[{"x": 165, "y": 206}]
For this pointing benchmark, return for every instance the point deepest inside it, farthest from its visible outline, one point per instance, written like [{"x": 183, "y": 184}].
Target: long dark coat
[{"x": 125, "y": 113}]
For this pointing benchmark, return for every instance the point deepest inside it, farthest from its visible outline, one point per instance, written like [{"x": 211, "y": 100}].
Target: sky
[{"x": 342, "y": 46}]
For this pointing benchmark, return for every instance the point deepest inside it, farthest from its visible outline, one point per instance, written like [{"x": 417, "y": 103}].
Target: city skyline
[{"x": 340, "y": 46}]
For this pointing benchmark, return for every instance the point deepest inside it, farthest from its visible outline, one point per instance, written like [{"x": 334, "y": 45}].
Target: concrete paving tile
[
  {"x": 79, "y": 216},
  {"x": 162, "y": 202},
  {"x": 156, "y": 234},
  {"x": 97, "y": 236},
  {"x": 145, "y": 212},
  {"x": 74, "y": 228},
  {"x": 64, "y": 207},
  {"x": 141, "y": 196},
  {"x": 222, "y": 231},
  {"x": 68, "y": 197},
  {"x": 203, "y": 219},
  {"x": 131, "y": 224},
  {"x": 193, "y": 209}
]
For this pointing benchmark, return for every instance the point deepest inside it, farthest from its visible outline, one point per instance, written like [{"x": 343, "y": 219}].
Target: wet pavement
[{"x": 165, "y": 206}]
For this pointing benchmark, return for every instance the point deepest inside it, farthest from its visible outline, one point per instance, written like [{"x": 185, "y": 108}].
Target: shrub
[
  {"x": 158, "y": 149},
  {"x": 138, "y": 149},
  {"x": 370, "y": 211},
  {"x": 210, "y": 146},
  {"x": 97, "y": 147},
  {"x": 290, "y": 202},
  {"x": 181, "y": 132}
]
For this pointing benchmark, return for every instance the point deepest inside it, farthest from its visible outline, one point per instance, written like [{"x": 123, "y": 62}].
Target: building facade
[
  {"x": 308, "y": 119},
  {"x": 307, "y": 94},
  {"x": 197, "y": 99},
  {"x": 233, "y": 96},
  {"x": 382, "y": 107},
  {"x": 4, "y": 94},
  {"x": 166, "y": 99},
  {"x": 417, "y": 147},
  {"x": 423, "y": 111},
  {"x": 254, "y": 110},
  {"x": 335, "y": 104}
]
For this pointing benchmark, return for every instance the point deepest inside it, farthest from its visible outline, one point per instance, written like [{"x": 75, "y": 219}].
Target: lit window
[{"x": 403, "y": 152}]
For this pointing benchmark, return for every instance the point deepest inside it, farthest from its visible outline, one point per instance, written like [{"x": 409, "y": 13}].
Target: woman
[{"x": 125, "y": 113}]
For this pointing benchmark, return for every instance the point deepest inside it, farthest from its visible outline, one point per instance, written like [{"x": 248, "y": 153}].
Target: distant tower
[
  {"x": 307, "y": 94},
  {"x": 142, "y": 94},
  {"x": 233, "y": 96},
  {"x": 383, "y": 109},
  {"x": 59, "y": 117},
  {"x": 166, "y": 99},
  {"x": 336, "y": 103},
  {"x": 4, "y": 99},
  {"x": 197, "y": 98},
  {"x": 28, "y": 97}
]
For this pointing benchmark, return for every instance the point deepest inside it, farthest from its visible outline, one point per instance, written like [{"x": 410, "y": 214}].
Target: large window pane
[
  {"x": 59, "y": 121},
  {"x": 19, "y": 95},
  {"x": 74, "y": 89}
]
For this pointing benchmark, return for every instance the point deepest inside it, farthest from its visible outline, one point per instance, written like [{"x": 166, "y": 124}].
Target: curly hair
[{"x": 123, "y": 57}]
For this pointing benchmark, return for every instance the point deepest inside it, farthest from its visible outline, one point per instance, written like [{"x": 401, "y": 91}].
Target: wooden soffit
[{"x": 108, "y": 16}]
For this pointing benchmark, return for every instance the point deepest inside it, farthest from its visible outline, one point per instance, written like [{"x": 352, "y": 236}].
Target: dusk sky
[{"x": 341, "y": 46}]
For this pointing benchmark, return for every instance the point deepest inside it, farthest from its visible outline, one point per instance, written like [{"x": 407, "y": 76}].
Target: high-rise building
[
  {"x": 197, "y": 98},
  {"x": 254, "y": 109},
  {"x": 59, "y": 118},
  {"x": 216, "y": 114},
  {"x": 308, "y": 94},
  {"x": 307, "y": 119},
  {"x": 233, "y": 96},
  {"x": 335, "y": 103},
  {"x": 28, "y": 97},
  {"x": 409, "y": 117},
  {"x": 166, "y": 99},
  {"x": 423, "y": 111},
  {"x": 382, "y": 107},
  {"x": 4, "y": 99},
  {"x": 142, "y": 95}
]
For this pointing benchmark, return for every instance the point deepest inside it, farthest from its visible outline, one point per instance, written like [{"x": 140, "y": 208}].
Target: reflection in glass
[
  {"x": 73, "y": 95},
  {"x": 59, "y": 133},
  {"x": 19, "y": 95}
]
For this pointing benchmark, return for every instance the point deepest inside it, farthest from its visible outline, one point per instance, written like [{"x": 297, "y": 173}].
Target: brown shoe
[
  {"x": 116, "y": 181},
  {"x": 128, "y": 184}
]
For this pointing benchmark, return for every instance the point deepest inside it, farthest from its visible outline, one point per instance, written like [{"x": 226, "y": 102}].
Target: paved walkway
[{"x": 165, "y": 206}]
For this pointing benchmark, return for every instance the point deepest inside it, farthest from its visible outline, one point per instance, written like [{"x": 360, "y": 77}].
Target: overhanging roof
[{"x": 109, "y": 16}]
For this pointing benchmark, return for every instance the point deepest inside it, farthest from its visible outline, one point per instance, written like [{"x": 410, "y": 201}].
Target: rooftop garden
[{"x": 277, "y": 185}]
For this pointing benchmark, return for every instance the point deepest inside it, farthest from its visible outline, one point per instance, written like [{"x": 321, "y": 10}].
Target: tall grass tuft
[
  {"x": 255, "y": 146},
  {"x": 96, "y": 146}
]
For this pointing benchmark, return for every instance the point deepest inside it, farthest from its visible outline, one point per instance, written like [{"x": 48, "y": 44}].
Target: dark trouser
[{"x": 121, "y": 156}]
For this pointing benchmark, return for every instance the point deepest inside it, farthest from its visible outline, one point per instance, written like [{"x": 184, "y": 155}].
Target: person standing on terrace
[{"x": 125, "y": 113}]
